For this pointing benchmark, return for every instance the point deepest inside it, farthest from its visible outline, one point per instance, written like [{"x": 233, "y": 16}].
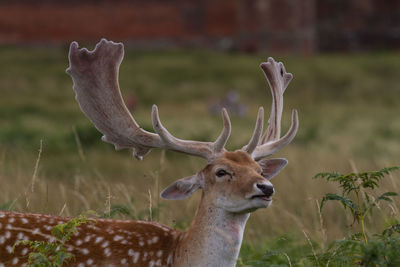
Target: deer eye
[{"x": 221, "y": 173}]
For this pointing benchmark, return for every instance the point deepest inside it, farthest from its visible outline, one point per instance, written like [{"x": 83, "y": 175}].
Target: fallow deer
[{"x": 233, "y": 184}]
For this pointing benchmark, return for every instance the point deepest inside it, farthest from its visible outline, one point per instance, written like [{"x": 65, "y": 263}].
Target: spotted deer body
[
  {"x": 233, "y": 184},
  {"x": 101, "y": 242}
]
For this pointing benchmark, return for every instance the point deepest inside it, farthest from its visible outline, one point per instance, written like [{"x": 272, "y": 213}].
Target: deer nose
[{"x": 268, "y": 190}]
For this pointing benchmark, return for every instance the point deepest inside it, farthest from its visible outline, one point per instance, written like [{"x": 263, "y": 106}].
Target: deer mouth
[{"x": 262, "y": 197}]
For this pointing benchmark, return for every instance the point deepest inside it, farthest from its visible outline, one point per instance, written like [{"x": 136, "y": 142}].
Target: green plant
[
  {"x": 384, "y": 249},
  {"x": 356, "y": 184},
  {"x": 287, "y": 250},
  {"x": 381, "y": 250},
  {"x": 358, "y": 249},
  {"x": 53, "y": 253},
  {"x": 8, "y": 205}
]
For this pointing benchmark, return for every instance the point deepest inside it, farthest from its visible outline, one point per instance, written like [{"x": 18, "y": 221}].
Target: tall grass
[{"x": 349, "y": 120}]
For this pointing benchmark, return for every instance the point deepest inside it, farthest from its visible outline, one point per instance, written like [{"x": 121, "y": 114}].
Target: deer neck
[{"x": 213, "y": 239}]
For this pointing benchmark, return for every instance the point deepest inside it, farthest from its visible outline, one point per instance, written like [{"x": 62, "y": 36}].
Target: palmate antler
[
  {"x": 278, "y": 80},
  {"x": 95, "y": 77}
]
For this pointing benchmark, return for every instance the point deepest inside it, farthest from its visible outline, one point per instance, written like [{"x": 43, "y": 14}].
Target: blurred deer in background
[{"x": 233, "y": 184}]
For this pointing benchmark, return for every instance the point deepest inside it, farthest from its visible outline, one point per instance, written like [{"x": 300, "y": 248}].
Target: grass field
[{"x": 349, "y": 121}]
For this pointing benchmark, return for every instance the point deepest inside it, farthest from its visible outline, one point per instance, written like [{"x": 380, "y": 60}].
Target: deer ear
[
  {"x": 182, "y": 188},
  {"x": 271, "y": 167}
]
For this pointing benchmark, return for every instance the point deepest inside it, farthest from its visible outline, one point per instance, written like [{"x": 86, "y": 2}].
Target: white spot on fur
[
  {"x": 89, "y": 261},
  {"x": 124, "y": 261},
  {"x": 81, "y": 265},
  {"x": 98, "y": 239},
  {"x": 136, "y": 257},
  {"x": 118, "y": 237},
  {"x": 105, "y": 244},
  {"x": 78, "y": 242},
  {"x": 159, "y": 253},
  {"x": 9, "y": 249},
  {"x": 92, "y": 227},
  {"x": 153, "y": 240},
  {"x": 85, "y": 251},
  {"x": 107, "y": 252},
  {"x": 11, "y": 220},
  {"x": 20, "y": 236},
  {"x": 15, "y": 261},
  {"x": 7, "y": 235},
  {"x": 141, "y": 243},
  {"x": 87, "y": 238},
  {"x": 169, "y": 260},
  {"x": 2, "y": 240},
  {"x": 24, "y": 221},
  {"x": 24, "y": 251}
]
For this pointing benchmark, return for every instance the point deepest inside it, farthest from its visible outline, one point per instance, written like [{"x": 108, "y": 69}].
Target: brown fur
[{"x": 133, "y": 243}]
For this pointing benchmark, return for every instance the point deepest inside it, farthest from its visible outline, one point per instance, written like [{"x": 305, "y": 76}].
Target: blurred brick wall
[
  {"x": 299, "y": 26},
  {"x": 61, "y": 21},
  {"x": 277, "y": 25},
  {"x": 228, "y": 24},
  {"x": 358, "y": 24}
]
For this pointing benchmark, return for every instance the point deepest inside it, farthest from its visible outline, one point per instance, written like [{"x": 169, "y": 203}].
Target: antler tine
[
  {"x": 278, "y": 80},
  {"x": 206, "y": 150},
  {"x": 220, "y": 143},
  {"x": 271, "y": 147},
  {"x": 202, "y": 149},
  {"x": 249, "y": 148}
]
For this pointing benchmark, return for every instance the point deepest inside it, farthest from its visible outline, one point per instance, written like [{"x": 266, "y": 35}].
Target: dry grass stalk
[
  {"x": 108, "y": 201},
  {"x": 78, "y": 144},
  {"x": 62, "y": 209},
  {"x": 34, "y": 176},
  {"x": 311, "y": 245},
  {"x": 150, "y": 207},
  {"x": 321, "y": 223}
]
